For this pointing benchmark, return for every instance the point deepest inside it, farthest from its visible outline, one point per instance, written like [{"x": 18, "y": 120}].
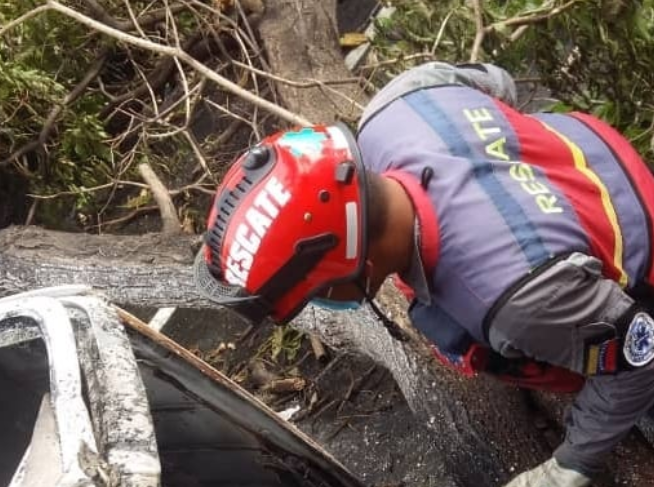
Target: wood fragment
[
  {"x": 318, "y": 349},
  {"x": 171, "y": 223},
  {"x": 290, "y": 384}
]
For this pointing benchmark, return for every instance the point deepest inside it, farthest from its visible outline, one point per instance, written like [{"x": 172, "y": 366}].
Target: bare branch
[
  {"x": 134, "y": 23},
  {"x": 183, "y": 57},
  {"x": 533, "y": 18},
  {"x": 480, "y": 30},
  {"x": 23, "y": 18},
  {"x": 171, "y": 223}
]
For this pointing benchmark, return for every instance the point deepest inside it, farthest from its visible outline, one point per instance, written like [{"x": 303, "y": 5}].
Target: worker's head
[{"x": 289, "y": 223}]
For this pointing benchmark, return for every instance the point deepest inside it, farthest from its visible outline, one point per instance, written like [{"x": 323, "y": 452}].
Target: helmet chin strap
[{"x": 391, "y": 326}]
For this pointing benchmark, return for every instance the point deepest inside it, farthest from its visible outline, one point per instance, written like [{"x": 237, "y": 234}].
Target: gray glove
[{"x": 550, "y": 474}]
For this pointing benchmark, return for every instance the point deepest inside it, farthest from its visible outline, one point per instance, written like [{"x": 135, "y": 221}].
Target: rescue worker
[{"x": 525, "y": 240}]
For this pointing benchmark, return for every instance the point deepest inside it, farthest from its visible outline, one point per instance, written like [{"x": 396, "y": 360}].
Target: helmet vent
[{"x": 226, "y": 204}]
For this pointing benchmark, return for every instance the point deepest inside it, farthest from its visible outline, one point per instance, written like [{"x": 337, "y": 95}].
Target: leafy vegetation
[
  {"x": 592, "y": 55},
  {"x": 80, "y": 110},
  {"x": 40, "y": 61}
]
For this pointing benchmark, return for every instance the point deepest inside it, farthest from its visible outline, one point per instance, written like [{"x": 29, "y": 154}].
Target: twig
[
  {"x": 230, "y": 113},
  {"x": 318, "y": 349},
  {"x": 156, "y": 79},
  {"x": 127, "y": 25},
  {"x": 337, "y": 430},
  {"x": 190, "y": 138},
  {"x": 400, "y": 59},
  {"x": 169, "y": 218},
  {"x": 440, "y": 33},
  {"x": 518, "y": 33},
  {"x": 31, "y": 213},
  {"x": 183, "y": 57},
  {"x": 311, "y": 82},
  {"x": 533, "y": 18},
  {"x": 23, "y": 18},
  {"x": 315, "y": 415},
  {"x": 126, "y": 218},
  {"x": 303, "y": 84},
  {"x": 133, "y": 20},
  {"x": 210, "y": 189},
  {"x": 480, "y": 30},
  {"x": 519, "y": 21},
  {"x": 355, "y": 386}
]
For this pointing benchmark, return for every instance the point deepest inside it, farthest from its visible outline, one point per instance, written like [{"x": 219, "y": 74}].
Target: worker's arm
[
  {"x": 566, "y": 315},
  {"x": 485, "y": 77}
]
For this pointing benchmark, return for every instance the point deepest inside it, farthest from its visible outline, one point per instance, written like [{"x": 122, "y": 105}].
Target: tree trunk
[{"x": 301, "y": 40}]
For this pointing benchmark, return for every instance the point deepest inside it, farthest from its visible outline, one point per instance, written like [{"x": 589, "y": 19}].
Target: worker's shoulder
[{"x": 423, "y": 77}]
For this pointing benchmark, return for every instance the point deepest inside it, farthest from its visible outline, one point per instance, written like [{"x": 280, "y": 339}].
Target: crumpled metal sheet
[
  {"x": 127, "y": 406},
  {"x": 71, "y": 328}
]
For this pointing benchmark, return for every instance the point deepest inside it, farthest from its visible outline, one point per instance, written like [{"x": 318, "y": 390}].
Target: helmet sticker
[
  {"x": 249, "y": 233},
  {"x": 352, "y": 225},
  {"x": 306, "y": 142},
  {"x": 639, "y": 341},
  {"x": 338, "y": 138}
]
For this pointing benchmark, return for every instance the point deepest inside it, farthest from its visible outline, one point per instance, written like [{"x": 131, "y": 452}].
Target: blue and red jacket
[{"x": 507, "y": 193}]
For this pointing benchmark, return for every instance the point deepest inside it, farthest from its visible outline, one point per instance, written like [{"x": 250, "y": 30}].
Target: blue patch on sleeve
[{"x": 639, "y": 341}]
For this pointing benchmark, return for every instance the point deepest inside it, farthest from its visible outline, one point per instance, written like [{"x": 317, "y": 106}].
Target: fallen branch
[
  {"x": 169, "y": 218},
  {"x": 145, "y": 21}
]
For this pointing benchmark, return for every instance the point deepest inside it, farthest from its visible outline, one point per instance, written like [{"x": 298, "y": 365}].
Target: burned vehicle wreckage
[{"x": 94, "y": 397}]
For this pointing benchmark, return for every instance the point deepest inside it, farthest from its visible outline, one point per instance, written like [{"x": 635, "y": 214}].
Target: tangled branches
[
  {"x": 91, "y": 89},
  {"x": 590, "y": 55},
  {"x": 168, "y": 82}
]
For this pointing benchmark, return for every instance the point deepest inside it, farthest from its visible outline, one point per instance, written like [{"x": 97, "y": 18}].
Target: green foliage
[
  {"x": 593, "y": 55},
  {"x": 41, "y": 60},
  {"x": 285, "y": 343},
  {"x": 596, "y": 58}
]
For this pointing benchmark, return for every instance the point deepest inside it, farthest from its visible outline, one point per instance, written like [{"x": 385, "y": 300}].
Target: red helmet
[{"x": 287, "y": 222}]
